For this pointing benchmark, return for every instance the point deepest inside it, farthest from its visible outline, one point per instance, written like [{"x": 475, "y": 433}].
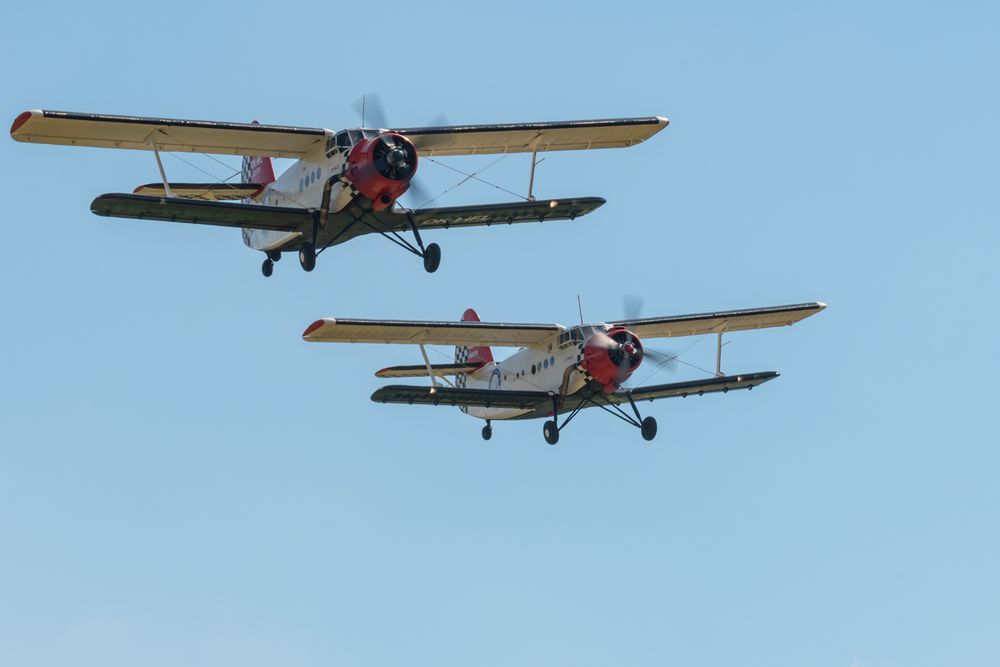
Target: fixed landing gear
[
  {"x": 307, "y": 256},
  {"x": 487, "y": 431},
  {"x": 550, "y": 430},
  {"x": 432, "y": 257},
  {"x": 648, "y": 428},
  {"x": 267, "y": 268}
]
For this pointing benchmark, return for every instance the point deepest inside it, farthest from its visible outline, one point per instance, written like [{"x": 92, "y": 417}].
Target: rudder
[
  {"x": 257, "y": 169},
  {"x": 480, "y": 354}
]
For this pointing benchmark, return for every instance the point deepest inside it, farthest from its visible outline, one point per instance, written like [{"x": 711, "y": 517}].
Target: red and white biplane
[
  {"x": 558, "y": 371},
  {"x": 343, "y": 184}
]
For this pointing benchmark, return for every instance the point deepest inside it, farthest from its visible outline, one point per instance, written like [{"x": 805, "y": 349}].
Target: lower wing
[
  {"x": 201, "y": 212},
  {"x": 540, "y": 402}
]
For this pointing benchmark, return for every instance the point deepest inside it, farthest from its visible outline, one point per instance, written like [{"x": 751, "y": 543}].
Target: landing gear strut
[{"x": 551, "y": 428}]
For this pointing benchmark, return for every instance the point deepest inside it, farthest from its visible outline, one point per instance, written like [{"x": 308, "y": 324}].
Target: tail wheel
[
  {"x": 267, "y": 268},
  {"x": 307, "y": 256},
  {"x": 648, "y": 428},
  {"x": 432, "y": 258},
  {"x": 551, "y": 432},
  {"x": 487, "y": 432}
]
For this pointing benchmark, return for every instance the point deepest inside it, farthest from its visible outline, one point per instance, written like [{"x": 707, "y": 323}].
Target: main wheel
[
  {"x": 551, "y": 432},
  {"x": 648, "y": 428},
  {"x": 432, "y": 258},
  {"x": 307, "y": 256},
  {"x": 267, "y": 268},
  {"x": 487, "y": 432}
]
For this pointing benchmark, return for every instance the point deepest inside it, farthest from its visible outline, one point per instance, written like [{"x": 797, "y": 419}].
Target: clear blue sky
[{"x": 184, "y": 481}]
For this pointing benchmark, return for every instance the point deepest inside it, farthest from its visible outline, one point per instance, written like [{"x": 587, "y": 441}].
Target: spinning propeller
[{"x": 372, "y": 113}]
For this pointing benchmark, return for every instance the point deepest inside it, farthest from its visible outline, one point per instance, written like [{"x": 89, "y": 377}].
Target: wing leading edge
[
  {"x": 528, "y": 137},
  {"x": 68, "y": 128},
  {"x": 419, "y": 332},
  {"x": 722, "y": 321}
]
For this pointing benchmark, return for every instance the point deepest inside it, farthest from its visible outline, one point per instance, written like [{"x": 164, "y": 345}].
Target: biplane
[
  {"x": 342, "y": 185},
  {"x": 558, "y": 371}
]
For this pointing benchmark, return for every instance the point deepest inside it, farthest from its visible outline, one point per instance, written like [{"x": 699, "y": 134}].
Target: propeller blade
[
  {"x": 666, "y": 359},
  {"x": 632, "y": 306},
  {"x": 417, "y": 193}
]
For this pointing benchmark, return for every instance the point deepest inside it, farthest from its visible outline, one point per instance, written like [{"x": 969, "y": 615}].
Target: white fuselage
[
  {"x": 544, "y": 367},
  {"x": 301, "y": 186}
]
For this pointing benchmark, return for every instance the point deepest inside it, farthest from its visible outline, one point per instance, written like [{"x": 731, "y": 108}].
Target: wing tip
[
  {"x": 311, "y": 329},
  {"x": 21, "y": 119}
]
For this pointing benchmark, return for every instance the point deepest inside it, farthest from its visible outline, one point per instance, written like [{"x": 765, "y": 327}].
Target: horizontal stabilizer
[
  {"x": 206, "y": 191},
  {"x": 196, "y": 211},
  {"x": 420, "y": 370}
]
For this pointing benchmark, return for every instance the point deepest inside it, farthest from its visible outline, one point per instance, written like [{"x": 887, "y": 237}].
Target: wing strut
[
  {"x": 718, "y": 354},
  {"x": 159, "y": 165},
  {"x": 430, "y": 371}
]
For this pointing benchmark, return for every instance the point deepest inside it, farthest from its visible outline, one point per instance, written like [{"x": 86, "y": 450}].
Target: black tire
[
  {"x": 487, "y": 432},
  {"x": 307, "y": 256},
  {"x": 648, "y": 428},
  {"x": 267, "y": 268},
  {"x": 432, "y": 258},
  {"x": 274, "y": 255},
  {"x": 550, "y": 430}
]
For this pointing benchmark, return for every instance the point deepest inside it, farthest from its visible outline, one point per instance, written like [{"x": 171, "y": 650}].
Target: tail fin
[
  {"x": 472, "y": 355},
  {"x": 257, "y": 169}
]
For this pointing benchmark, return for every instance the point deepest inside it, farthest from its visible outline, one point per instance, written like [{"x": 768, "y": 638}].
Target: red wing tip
[
  {"x": 19, "y": 121},
  {"x": 312, "y": 327}
]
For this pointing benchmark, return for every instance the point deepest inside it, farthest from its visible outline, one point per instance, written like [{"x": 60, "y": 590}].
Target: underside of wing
[
  {"x": 505, "y": 214},
  {"x": 206, "y": 191},
  {"x": 166, "y": 134},
  {"x": 341, "y": 330},
  {"x": 485, "y": 398},
  {"x": 719, "y": 322},
  {"x": 420, "y": 370},
  {"x": 695, "y": 387},
  {"x": 195, "y": 211},
  {"x": 528, "y": 137}
]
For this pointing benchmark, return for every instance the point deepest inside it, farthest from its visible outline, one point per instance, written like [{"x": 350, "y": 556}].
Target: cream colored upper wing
[
  {"x": 341, "y": 330},
  {"x": 527, "y": 137},
  {"x": 729, "y": 320},
  {"x": 167, "y": 134}
]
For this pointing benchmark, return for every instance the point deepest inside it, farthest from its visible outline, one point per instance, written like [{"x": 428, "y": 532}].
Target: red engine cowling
[
  {"x": 610, "y": 358},
  {"x": 381, "y": 168}
]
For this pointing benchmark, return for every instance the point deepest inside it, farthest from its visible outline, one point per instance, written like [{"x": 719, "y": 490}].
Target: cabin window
[{"x": 343, "y": 140}]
